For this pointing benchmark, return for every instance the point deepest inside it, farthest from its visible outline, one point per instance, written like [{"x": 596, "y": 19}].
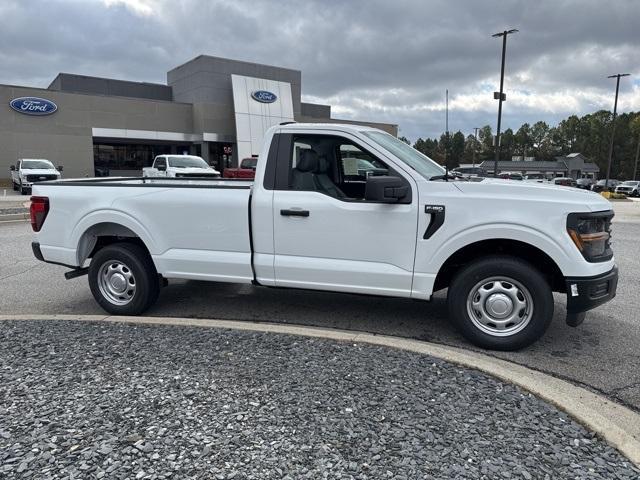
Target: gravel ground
[{"x": 100, "y": 400}]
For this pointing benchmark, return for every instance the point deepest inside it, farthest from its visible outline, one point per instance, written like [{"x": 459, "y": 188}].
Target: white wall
[{"x": 254, "y": 118}]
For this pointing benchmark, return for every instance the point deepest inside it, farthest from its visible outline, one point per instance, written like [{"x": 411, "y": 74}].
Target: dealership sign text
[
  {"x": 263, "y": 96},
  {"x": 33, "y": 106}
]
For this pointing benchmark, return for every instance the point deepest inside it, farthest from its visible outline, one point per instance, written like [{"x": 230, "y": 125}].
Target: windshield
[
  {"x": 184, "y": 162},
  {"x": 409, "y": 155},
  {"x": 631, "y": 183},
  {"x": 249, "y": 163},
  {"x": 33, "y": 164}
]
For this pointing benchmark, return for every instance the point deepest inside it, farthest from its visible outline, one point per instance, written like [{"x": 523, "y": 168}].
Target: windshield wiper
[{"x": 447, "y": 176}]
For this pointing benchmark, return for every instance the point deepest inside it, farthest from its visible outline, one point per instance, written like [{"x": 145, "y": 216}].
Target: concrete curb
[
  {"x": 617, "y": 424},
  {"x": 12, "y": 217}
]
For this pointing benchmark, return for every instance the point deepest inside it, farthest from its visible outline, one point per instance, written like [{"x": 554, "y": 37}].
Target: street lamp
[
  {"x": 500, "y": 96},
  {"x": 475, "y": 143},
  {"x": 613, "y": 126}
]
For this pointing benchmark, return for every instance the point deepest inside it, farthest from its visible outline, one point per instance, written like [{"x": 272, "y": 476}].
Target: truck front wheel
[
  {"x": 123, "y": 279},
  {"x": 500, "y": 303}
]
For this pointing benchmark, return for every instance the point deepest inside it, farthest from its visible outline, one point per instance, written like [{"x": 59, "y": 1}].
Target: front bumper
[{"x": 586, "y": 293}]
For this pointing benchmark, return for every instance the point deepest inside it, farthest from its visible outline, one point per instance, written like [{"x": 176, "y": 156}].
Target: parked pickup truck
[
  {"x": 28, "y": 171},
  {"x": 500, "y": 247},
  {"x": 186, "y": 166},
  {"x": 247, "y": 169}
]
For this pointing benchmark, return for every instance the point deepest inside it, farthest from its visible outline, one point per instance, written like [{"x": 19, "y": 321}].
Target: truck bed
[{"x": 193, "y": 228}]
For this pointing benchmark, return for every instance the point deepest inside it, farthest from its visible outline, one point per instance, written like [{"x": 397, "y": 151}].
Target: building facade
[
  {"x": 213, "y": 107},
  {"x": 574, "y": 165}
]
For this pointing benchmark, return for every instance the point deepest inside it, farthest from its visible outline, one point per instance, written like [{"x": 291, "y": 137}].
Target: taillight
[{"x": 39, "y": 210}]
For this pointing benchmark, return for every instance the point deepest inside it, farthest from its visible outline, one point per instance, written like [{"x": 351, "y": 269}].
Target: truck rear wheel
[
  {"x": 500, "y": 303},
  {"x": 123, "y": 279}
]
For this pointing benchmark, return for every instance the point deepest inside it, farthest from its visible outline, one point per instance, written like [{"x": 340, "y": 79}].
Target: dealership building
[{"x": 213, "y": 107}]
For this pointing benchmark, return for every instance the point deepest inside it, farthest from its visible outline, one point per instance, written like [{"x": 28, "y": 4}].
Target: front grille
[{"x": 40, "y": 178}]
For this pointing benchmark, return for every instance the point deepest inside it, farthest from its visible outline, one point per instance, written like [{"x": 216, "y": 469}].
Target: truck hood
[
  {"x": 541, "y": 192},
  {"x": 39, "y": 171},
  {"x": 207, "y": 171}
]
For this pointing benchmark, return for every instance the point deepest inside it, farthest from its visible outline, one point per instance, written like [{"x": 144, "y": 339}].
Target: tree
[
  {"x": 405, "y": 140},
  {"x": 523, "y": 140}
]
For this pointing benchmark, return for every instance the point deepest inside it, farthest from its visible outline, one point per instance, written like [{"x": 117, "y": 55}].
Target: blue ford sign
[
  {"x": 263, "y": 96},
  {"x": 33, "y": 106}
]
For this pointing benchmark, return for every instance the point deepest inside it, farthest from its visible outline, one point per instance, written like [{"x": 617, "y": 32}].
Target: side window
[
  {"x": 161, "y": 162},
  {"x": 331, "y": 165}
]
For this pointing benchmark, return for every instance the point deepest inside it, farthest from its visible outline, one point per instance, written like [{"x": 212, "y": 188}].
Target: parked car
[
  {"x": 406, "y": 234},
  {"x": 247, "y": 169},
  {"x": 565, "y": 181},
  {"x": 536, "y": 177},
  {"x": 28, "y": 171},
  {"x": 630, "y": 188},
  {"x": 511, "y": 176},
  {"x": 187, "y": 166},
  {"x": 599, "y": 186},
  {"x": 585, "y": 183}
]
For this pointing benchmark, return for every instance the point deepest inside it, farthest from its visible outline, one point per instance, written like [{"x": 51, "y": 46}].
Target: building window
[{"x": 124, "y": 159}]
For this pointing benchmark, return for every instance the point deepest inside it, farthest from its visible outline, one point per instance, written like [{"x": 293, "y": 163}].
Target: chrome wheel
[
  {"x": 116, "y": 282},
  {"x": 500, "y": 306}
]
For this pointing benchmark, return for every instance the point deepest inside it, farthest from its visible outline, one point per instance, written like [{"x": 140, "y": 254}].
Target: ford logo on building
[
  {"x": 263, "y": 96},
  {"x": 33, "y": 106}
]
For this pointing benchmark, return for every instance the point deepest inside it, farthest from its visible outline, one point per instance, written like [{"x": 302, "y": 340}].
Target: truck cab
[{"x": 28, "y": 171}]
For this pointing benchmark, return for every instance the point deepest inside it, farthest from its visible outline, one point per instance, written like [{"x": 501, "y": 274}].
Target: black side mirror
[
  {"x": 12, "y": 168},
  {"x": 387, "y": 190},
  {"x": 162, "y": 168},
  {"x": 60, "y": 168}
]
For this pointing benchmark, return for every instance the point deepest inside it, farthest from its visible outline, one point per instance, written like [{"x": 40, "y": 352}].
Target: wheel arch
[
  {"x": 98, "y": 231},
  {"x": 500, "y": 246}
]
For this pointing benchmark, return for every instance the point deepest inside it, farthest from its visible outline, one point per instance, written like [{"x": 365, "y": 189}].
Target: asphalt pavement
[
  {"x": 601, "y": 354},
  {"x": 98, "y": 400}
]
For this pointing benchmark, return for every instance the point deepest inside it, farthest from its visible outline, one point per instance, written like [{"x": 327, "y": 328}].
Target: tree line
[{"x": 589, "y": 135}]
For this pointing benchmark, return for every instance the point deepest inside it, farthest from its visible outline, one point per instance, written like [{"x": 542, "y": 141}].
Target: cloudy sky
[{"x": 379, "y": 60}]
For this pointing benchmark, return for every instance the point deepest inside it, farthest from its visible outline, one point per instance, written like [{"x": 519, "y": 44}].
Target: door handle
[{"x": 294, "y": 213}]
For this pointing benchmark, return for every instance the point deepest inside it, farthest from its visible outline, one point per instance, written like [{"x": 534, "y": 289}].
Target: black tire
[
  {"x": 15, "y": 187},
  {"x": 530, "y": 322},
  {"x": 136, "y": 262},
  {"x": 23, "y": 190}
]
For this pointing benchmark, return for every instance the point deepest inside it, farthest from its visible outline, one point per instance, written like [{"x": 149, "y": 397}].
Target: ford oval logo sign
[
  {"x": 263, "y": 96},
  {"x": 33, "y": 106}
]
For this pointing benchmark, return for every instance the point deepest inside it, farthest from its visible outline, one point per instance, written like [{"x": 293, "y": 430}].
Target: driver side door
[{"x": 340, "y": 242}]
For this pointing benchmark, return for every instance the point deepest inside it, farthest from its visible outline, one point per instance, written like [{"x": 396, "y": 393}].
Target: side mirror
[
  {"x": 162, "y": 168},
  {"x": 60, "y": 168},
  {"x": 387, "y": 190},
  {"x": 12, "y": 168}
]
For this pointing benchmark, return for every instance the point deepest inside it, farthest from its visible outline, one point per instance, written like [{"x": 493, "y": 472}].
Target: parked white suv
[
  {"x": 312, "y": 219},
  {"x": 28, "y": 171},
  {"x": 186, "y": 166},
  {"x": 630, "y": 188}
]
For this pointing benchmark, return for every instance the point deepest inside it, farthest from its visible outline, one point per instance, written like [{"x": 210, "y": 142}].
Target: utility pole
[
  {"x": 446, "y": 126},
  {"x": 635, "y": 169},
  {"x": 613, "y": 125},
  {"x": 475, "y": 144},
  {"x": 500, "y": 96}
]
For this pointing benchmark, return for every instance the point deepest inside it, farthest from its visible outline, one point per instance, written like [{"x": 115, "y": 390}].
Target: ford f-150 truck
[
  {"x": 28, "y": 171},
  {"x": 311, "y": 220},
  {"x": 186, "y": 166}
]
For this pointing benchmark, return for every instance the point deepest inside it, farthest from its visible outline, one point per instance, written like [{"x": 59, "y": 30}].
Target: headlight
[{"x": 591, "y": 233}]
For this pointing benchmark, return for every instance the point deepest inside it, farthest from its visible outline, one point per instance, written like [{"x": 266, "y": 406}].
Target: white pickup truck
[
  {"x": 28, "y": 171},
  {"x": 185, "y": 166},
  {"x": 311, "y": 220}
]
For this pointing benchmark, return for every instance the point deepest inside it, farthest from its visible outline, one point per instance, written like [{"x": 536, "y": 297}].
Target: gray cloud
[{"x": 373, "y": 59}]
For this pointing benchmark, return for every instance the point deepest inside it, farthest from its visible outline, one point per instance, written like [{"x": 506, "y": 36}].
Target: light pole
[
  {"x": 475, "y": 143},
  {"x": 500, "y": 96},
  {"x": 613, "y": 126}
]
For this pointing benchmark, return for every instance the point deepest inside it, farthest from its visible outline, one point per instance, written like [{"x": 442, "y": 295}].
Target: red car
[{"x": 247, "y": 169}]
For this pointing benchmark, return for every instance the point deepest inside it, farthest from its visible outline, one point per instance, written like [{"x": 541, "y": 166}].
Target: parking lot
[{"x": 601, "y": 354}]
